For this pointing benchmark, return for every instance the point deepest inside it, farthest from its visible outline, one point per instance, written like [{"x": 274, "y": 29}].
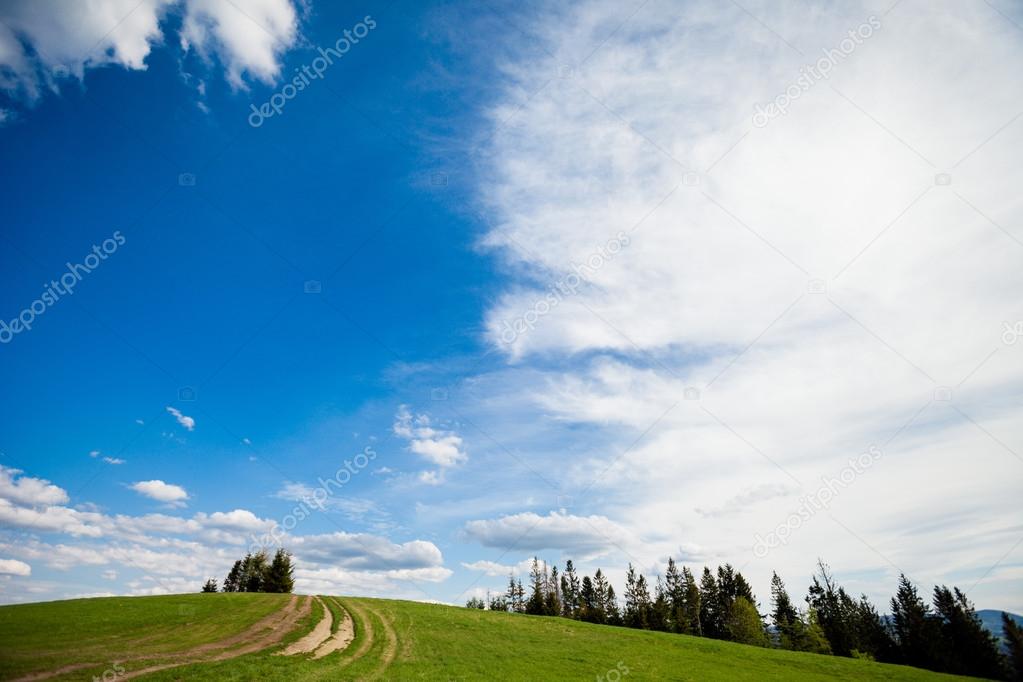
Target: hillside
[{"x": 234, "y": 636}]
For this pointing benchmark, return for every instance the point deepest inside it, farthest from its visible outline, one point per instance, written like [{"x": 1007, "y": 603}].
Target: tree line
[
  {"x": 258, "y": 573},
  {"x": 945, "y": 635}
]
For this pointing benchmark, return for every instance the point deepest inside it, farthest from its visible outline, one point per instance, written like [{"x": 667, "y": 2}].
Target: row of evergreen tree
[
  {"x": 258, "y": 573},
  {"x": 947, "y": 638}
]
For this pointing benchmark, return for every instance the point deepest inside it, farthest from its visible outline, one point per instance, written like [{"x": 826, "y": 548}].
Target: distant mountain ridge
[{"x": 992, "y": 620}]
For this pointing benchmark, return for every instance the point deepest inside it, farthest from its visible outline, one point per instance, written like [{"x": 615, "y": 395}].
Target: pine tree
[
  {"x": 511, "y": 595},
  {"x": 588, "y": 608},
  {"x": 873, "y": 636},
  {"x": 968, "y": 647},
  {"x": 233, "y": 579},
  {"x": 916, "y": 631},
  {"x": 834, "y": 611},
  {"x": 659, "y": 614},
  {"x": 784, "y": 615},
  {"x": 279, "y": 575},
  {"x": 538, "y": 588},
  {"x": 711, "y": 616},
  {"x": 637, "y": 599},
  {"x": 570, "y": 591},
  {"x": 600, "y": 588},
  {"x": 691, "y": 615},
  {"x": 676, "y": 594},
  {"x": 611, "y": 608},
  {"x": 1013, "y": 634},
  {"x": 210, "y": 585},
  {"x": 553, "y": 597}
]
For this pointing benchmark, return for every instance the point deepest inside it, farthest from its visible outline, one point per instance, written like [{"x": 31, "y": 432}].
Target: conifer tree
[
  {"x": 210, "y": 585},
  {"x": 600, "y": 589},
  {"x": 969, "y": 649},
  {"x": 588, "y": 610},
  {"x": 659, "y": 613},
  {"x": 916, "y": 631},
  {"x": 611, "y": 611},
  {"x": 279, "y": 575},
  {"x": 538, "y": 588},
  {"x": 711, "y": 616},
  {"x": 784, "y": 615},
  {"x": 1013, "y": 634},
  {"x": 691, "y": 615},
  {"x": 233, "y": 579},
  {"x": 676, "y": 595},
  {"x": 570, "y": 591}
]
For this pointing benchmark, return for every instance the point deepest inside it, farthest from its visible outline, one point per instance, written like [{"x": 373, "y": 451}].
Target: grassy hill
[{"x": 235, "y": 637}]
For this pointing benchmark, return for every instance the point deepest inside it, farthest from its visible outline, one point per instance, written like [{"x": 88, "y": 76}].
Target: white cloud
[
  {"x": 363, "y": 551},
  {"x": 585, "y": 536},
  {"x": 66, "y": 39},
  {"x": 113, "y": 460},
  {"x": 730, "y": 226},
  {"x": 248, "y": 39},
  {"x": 14, "y": 567},
  {"x": 437, "y": 446},
  {"x": 156, "y": 489},
  {"x": 27, "y": 490},
  {"x": 493, "y": 568},
  {"x": 184, "y": 420}
]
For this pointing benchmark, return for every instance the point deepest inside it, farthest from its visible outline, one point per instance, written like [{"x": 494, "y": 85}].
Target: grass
[
  {"x": 399, "y": 640},
  {"x": 51, "y": 635}
]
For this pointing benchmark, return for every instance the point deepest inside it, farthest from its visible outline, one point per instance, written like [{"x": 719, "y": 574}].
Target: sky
[{"x": 420, "y": 291}]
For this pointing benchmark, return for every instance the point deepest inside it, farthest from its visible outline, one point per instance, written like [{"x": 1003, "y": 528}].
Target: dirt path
[
  {"x": 367, "y": 631},
  {"x": 314, "y": 639},
  {"x": 340, "y": 639}
]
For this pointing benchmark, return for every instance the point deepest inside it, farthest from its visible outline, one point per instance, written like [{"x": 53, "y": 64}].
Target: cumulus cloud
[
  {"x": 182, "y": 419},
  {"x": 156, "y": 489},
  {"x": 364, "y": 551},
  {"x": 437, "y": 446},
  {"x": 14, "y": 567},
  {"x": 44, "y": 41},
  {"x": 27, "y": 490},
  {"x": 585, "y": 536},
  {"x": 493, "y": 568}
]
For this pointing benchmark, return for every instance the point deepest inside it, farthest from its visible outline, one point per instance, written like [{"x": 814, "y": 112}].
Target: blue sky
[{"x": 713, "y": 316}]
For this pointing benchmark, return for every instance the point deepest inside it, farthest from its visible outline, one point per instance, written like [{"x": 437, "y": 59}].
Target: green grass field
[{"x": 393, "y": 640}]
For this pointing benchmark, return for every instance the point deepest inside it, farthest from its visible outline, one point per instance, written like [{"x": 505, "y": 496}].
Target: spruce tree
[
  {"x": 232, "y": 581},
  {"x": 600, "y": 588},
  {"x": 659, "y": 617},
  {"x": 691, "y": 615},
  {"x": 611, "y": 611},
  {"x": 1013, "y": 634},
  {"x": 553, "y": 597},
  {"x": 279, "y": 576},
  {"x": 570, "y": 591},
  {"x": 710, "y": 613},
  {"x": 968, "y": 646},
  {"x": 537, "y": 585},
  {"x": 210, "y": 585},
  {"x": 588, "y": 609},
  {"x": 784, "y": 615},
  {"x": 834, "y": 611},
  {"x": 676, "y": 594},
  {"x": 916, "y": 631}
]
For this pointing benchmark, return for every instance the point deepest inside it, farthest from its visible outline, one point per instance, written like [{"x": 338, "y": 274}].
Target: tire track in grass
[
  {"x": 317, "y": 636},
  {"x": 278, "y": 630},
  {"x": 390, "y": 646},
  {"x": 271, "y": 621},
  {"x": 362, "y": 621},
  {"x": 344, "y": 635}
]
